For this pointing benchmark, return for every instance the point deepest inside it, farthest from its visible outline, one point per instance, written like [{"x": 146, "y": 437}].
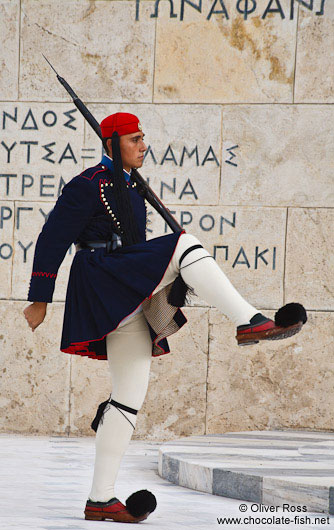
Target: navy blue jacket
[{"x": 79, "y": 215}]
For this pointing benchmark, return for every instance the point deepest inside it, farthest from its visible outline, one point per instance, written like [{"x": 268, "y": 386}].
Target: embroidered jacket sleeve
[{"x": 72, "y": 211}]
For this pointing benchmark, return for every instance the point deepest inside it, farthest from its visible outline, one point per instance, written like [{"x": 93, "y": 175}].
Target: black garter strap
[
  {"x": 186, "y": 252},
  {"x": 123, "y": 407},
  {"x": 199, "y": 259},
  {"x": 103, "y": 407}
]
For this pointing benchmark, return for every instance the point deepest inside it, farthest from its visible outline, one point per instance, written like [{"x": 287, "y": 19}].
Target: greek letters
[
  {"x": 49, "y": 153},
  {"x": 30, "y": 180},
  {"x": 210, "y": 157},
  {"x": 28, "y": 144},
  {"x": 46, "y": 185},
  {"x": 232, "y": 155},
  {"x": 164, "y": 186},
  {"x": 42, "y": 191},
  {"x": 7, "y": 176},
  {"x": 156, "y": 9},
  {"x": 219, "y": 247},
  {"x": 29, "y": 119},
  {"x": 186, "y": 218},
  {"x": 5, "y": 214},
  {"x": 29, "y": 122},
  {"x": 224, "y": 220},
  {"x": 70, "y": 120},
  {"x": 192, "y": 4},
  {"x": 21, "y": 217},
  {"x": 186, "y": 152},
  {"x": 6, "y": 115},
  {"x": 25, "y": 250},
  {"x": 150, "y": 152},
  {"x": 244, "y": 8},
  {"x": 215, "y": 11},
  {"x": 187, "y": 155},
  {"x": 249, "y": 259},
  {"x": 45, "y": 215},
  {"x": 6, "y": 251},
  {"x": 277, "y": 9},
  {"x": 259, "y": 257},
  {"x": 49, "y": 118},
  {"x": 18, "y": 217},
  {"x": 207, "y": 222},
  {"x": 171, "y": 157},
  {"x": 32, "y": 151},
  {"x": 68, "y": 154},
  {"x": 8, "y": 149},
  {"x": 187, "y": 189}
]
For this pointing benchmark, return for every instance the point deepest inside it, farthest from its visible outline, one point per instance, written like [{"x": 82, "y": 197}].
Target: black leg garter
[{"x": 106, "y": 405}]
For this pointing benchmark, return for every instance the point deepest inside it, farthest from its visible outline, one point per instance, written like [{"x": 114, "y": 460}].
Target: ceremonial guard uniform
[
  {"x": 105, "y": 286},
  {"x": 124, "y": 296}
]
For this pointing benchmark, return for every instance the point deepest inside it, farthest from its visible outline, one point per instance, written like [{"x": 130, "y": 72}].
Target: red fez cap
[{"x": 122, "y": 122}]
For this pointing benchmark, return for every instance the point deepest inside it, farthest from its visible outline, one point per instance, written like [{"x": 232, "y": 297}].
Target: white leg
[
  {"x": 129, "y": 350},
  {"x": 208, "y": 281}
]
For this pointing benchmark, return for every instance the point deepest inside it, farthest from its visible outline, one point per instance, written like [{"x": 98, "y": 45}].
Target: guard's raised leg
[{"x": 199, "y": 271}]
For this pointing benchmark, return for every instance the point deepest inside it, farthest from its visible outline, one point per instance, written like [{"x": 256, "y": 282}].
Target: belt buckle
[{"x": 116, "y": 241}]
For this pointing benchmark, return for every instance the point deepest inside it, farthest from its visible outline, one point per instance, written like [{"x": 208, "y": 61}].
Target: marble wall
[{"x": 236, "y": 102}]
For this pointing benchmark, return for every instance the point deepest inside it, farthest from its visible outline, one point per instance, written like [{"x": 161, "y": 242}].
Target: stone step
[{"x": 265, "y": 467}]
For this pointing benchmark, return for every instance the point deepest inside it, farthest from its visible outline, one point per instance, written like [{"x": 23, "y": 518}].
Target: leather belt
[
  {"x": 109, "y": 245},
  {"x": 92, "y": 244}
]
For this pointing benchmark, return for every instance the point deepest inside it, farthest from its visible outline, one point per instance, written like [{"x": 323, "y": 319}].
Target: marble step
[{"x": 266, "y": 467}]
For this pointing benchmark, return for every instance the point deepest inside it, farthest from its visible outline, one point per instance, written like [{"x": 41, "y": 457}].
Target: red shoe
[
  {"x": 288, "y": 321},
  {"x": 138, "y": 507}
]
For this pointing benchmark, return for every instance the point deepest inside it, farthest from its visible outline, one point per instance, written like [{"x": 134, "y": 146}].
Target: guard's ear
[{"x": 109, "y": 147}]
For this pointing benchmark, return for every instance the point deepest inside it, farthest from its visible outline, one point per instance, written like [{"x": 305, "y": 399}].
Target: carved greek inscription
[
  {"x": 41, "y": 150},
  {"x": 250, "y": 259},
  {"x": 178, "y": 9}
]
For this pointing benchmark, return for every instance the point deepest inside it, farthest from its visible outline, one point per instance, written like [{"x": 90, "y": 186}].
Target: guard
[{"x": 124, "y": 297}]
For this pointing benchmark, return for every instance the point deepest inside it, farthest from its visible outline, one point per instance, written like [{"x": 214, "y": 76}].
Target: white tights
[{"x": 129, "y": 350}]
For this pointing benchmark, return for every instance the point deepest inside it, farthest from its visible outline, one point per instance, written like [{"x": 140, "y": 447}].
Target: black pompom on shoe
[
  {"x": 140, "y": 503},
  {"x": 290, "y": 314}
]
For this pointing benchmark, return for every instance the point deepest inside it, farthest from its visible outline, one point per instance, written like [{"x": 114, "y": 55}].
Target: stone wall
[{"x": 236, "y": 101}]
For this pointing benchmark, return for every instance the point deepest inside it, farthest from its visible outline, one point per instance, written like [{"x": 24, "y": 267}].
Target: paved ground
[{"x": 45, "y": 482}]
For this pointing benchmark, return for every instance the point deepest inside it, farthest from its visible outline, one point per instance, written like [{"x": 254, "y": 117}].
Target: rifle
[{"x": 148, "y": 193}]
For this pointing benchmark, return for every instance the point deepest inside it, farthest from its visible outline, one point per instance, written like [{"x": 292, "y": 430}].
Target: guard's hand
[{"x": 35, "y": 314}]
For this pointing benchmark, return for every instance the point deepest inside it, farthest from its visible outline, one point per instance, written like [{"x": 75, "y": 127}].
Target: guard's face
[{"x": 132, "y": 150}]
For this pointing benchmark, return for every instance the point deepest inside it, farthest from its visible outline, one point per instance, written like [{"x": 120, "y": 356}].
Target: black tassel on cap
[
  {"x": 290, "y": 314},
  {"x": 179, "y": 293},
  {"x": 141, "y": 502},
  {"x": 100, "y": 410}
]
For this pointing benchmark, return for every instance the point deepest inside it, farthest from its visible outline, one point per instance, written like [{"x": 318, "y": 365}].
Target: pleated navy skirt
[{"x": 103, "y": 289}]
